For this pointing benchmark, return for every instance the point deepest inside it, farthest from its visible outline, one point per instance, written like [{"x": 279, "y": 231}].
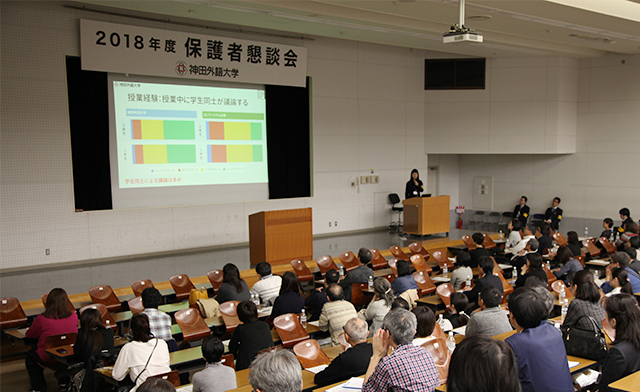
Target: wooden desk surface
[
  {"x": 431, "y": 300},
  {"x": 242, "y": 379},
  {"x": 630, "y": 383}
]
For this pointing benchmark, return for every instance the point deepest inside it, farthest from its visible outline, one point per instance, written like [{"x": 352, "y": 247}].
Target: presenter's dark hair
[
  {"x": 212, "y": 349},
  {"x": 140, "y": 328},
  {"x": 483, "y": 364},
  {"x": 332, "y": 276},
  {"x": 403, "y": 267},
  {"x": 364, "y": 255},
  {"x": 334, "y": 292},
  {"x": 151, "y": 298},
  {"x": 426, "y": 321},
  {"x": 263, "y": 268},
  {"x": 156, "y": 385},
  {"x": 491, "y": 296},
  {"x": 411, "y": 175},
  {"x": 247, "y": 312},
  {"x": 524, "y": 197},
  {"x": 486, "y": 263},
  {"x": 290, "y": 283},
  {"x": 516, "y": 224},
  {"x": 624, "y": 309},
  {"x": 478, "y": 238},
  {"x": 564, "y": 254},
  {"x": 624, "y": 211},
  {"x": 231, "y": 275},
  {"x": 608, "y": 222},
  {"x": 57, "y": 305},
  {"x": 572, "y": 238},
  {"x": 535, "y": 261},
  {"x": 527, "y": 307},
  {"x": 463, "y": 259},
  {"x": 586, "y": 289}
]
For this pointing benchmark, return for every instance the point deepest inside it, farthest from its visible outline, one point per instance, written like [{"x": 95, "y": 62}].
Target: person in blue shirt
[
  {"x": 540, "y": 354},
  {"x": 621, "y": 260},
  {"x": 405, "y": 280}
]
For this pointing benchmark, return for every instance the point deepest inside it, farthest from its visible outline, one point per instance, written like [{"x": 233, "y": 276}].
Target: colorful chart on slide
[{"x": 178, "y": 135}]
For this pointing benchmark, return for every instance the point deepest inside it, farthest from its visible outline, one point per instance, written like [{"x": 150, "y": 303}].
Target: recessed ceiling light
[{"x": 479, "y": 17}]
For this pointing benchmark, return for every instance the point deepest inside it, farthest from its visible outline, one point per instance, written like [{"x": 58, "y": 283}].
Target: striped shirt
[
  {"x": 268, "y": 288},
  {"x": 334, "y": 316},
  {"x": 408, "y": 368},
  {"x": 159, "y": 323}
]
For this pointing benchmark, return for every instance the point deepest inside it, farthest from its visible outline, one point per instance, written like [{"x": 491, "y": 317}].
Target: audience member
[
  {"x": 623, "y": 357},
  {"x": 607, "y": 224},
  {"x": 574, "y": 243},
  {"x": 521, "y": 212},
  {"x": 545, "y": 242},
  {"x": 527, "y": 234},
  {"x": 532, "y": 268},
  {"x": 379, "y": 306},
  {"x": 144, "y": 356},
  {"x": 540, "y": 354},
  {"x": 316, "y": 299},
  {"x": 159, "y": 322},
  {"x": 544, "y": 293},
  {"x": 216, "y": 377},
  {"x": 336, "y": 313},
  {"x": 495, "y": 372},
  {"x": 276, "y": 371},
  {"x": 625, "y": 215},
  {"x": 232, "y": 288},
  {"x": 634, "y": 243},
  {"x": 491, "y": 320},
  {"x": 290, "y": 300},
  {"x": 268, "y": 286},
  {"x": 486, "y": 268},
  {"x": 619, "y": 282},
  {"x": 633, "y": 256},
  {"x": 409, "y": 368},
  {"x": 553, "y": 214},
  {"x": 515, "y": 236},
  {"x": 400, "y": 303},
  {"x": 249, "y": 337},
  {"x": 463, "y": 272},
  {"x": 56, "y": 319},
  {"x": 479, "y": 251},
  {"x": 586, "y": 302},
  {"x": 457, "y": 307},
  {"x": 425, "y": 324},
  {"x": 354, "y": 361},
  {"x": 630, "y": 231},
  {"x": 360, "y": 274},
  {"x": 520, "y": 260},
  {"x": 621, "y": 260},
  {"x": 405, "y": 280},
  {"x": 156, "y": 385},
  {"x": 570, "y": 265}
]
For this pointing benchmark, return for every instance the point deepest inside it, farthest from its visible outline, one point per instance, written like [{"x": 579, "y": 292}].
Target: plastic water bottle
[
  {"x": 341, "y": 271},
  {"x": 501, "y": 235},
  {"x": 586, "y": 232},
  {"x": 303, "y": 319},
  {"x": 515, "y": 274},
  {"x": 467, "y": 283},
  {"x": 451, "y": 342},
  {"x": 565, "y": 307},
  {"x": 370, "y": 282},
  {"x": 441, "y": 321},
  {"x": 255, "y": 298},
  {"x": 445, "y": 269},
  {"x": 562, "y": 295},
  {"x": 548, "y": 265}
]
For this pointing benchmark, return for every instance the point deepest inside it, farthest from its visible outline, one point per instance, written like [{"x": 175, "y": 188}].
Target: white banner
[{"x": 111, "y": 47}]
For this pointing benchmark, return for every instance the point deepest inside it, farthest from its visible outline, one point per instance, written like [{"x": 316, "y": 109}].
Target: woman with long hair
[
  {"x": 414, "y": 186},
  {"x": 570, "y": 265},
  {"x": 405, "y": 280},
  {"x": 623, "y": 357},
  {"x": 586, "y": 302},
  {"x": 56, "y": 319},
  {"x": 233, "y": 288},
  {"x": 379, "y": 306},
  {"x": 144, "y": 356},
  {"x": 573, "y": 242},
  {"x": 620, "y": 282},
  {"x": 289, "y": 300}
]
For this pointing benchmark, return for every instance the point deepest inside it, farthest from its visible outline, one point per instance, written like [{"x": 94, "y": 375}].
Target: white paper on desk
[
  {"x": 572, "y": 364},
  {"x": 186, "y": 388},
  {"x": 460, "y": 330},
  {"x": 354, "y": 383},
  {"x": 598, "y": 262},
  {"x": 316, "y": 369},
  {"x": 505, "y": 266},
  {"x": 441, "y": 279},
  {"x": 316, "y": 323}
]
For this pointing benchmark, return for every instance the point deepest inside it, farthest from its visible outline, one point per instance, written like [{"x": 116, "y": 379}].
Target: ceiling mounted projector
[{"x": 459, "y": 32}]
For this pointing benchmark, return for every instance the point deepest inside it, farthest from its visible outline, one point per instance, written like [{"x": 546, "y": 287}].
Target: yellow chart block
[
  {"x": 240, "y": 153},
  {"x": 237, "y": 131},
  {"x": 155, "y": 154},
  {"x": 152, "y": 129}
]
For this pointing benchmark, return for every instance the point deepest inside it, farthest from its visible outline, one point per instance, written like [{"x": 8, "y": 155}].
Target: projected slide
[{"x": 175, "y": 135}]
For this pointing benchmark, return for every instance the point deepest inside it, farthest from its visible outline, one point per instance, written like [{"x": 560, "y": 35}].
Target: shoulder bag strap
[{"x": 146, "y": 364}]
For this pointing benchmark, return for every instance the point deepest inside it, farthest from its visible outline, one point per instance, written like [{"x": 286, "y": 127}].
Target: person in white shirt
[
  {"x": 268, "y": 287},
  {"x": 528, "y": 233},
  {"x": 463, "y": 272},
  {"x": 514, "y": 233},
  {"x": 144, "y": 356}
]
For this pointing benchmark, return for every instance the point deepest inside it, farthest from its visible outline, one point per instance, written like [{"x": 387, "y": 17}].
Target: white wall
[{"x": 368, "y": 113}]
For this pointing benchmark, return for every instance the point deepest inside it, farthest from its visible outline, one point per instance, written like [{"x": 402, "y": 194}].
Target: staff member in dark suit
[
  {"x": 553, "y": 215},
  {"x": 486, "y": 267},
  {"x": 521, "y": 212},
  {"x": 414, "y": 186},
  {"x": 353, "y": 362}
]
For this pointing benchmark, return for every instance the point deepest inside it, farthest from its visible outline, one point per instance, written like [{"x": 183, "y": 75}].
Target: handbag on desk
[{"x": 585, "y": 343}]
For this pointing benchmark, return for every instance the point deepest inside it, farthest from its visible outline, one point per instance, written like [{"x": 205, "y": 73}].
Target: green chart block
[
  {"x": 257, "y": 153},
  {"x": 256, "y": 131},
  {"x": 181, "y": 154},
  {"x": 179, "y": 130}
]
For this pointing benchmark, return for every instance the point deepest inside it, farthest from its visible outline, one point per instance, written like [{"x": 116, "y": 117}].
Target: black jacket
[
  {"x": 523, "y": 211},
  {"x": 351, "y": 363},
  {"x": 555, "y": 216},
  {"x": 486, "y": 280},
  {"x": 247, "y": 340}
]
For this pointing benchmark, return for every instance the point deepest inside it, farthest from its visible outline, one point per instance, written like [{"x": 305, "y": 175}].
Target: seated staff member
[
  {"x": 491, "y": 320},
  {"x": 354, "y": 361},
  {"x": 553, "y": 214},
  {"x": 540, "y": 354},
  {"x": 316, "y": 299},
  {"x": 521, "y": 212},
  {"x": 405, "y": 280},
  {"x": 479, "y": 251},
  {"x": 215, "y": 377},
  {"x": 142, "y": 357},
  {"x": 289, "y": 300},
  {"x": 159, "y": 322},
  {"x": 532, "y": 268},
  {"x": 56, "y": 319},
  {"x": 486, "y": 268},
  {"x": 268, "y": 286},
  {"x": 249, "y": 337},
  {"x": 360, "y": 274},
  {"x": 623, "y": 357},
  {"x": 570, "y": 265},
  {"x": 625, "y": 215},
  {"x": 276, "y": 371},
  {"x": 336, "y": 313},
  {"x": 232, "y": 288},
  {"x": 414, "y": 186}
]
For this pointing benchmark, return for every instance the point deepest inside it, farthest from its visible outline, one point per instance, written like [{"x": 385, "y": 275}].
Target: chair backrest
[
  {"x": 229, "y": 312},
  {"x": 389, "y": 277},
  {"x": 444, "y": 291},
  {"x": 488, "y": 242},
  {"x": 215, "y": 278},
  {"x": 507, "y": 289},
  {"x": 349, "y": 260},
  {"x": 441, "y": 356},
  {"x": 135, "y": 305},
  {"x": 469, "y": 242},
  {"x": 581, "y": 258},
  {"x": 377, "y": 260},
  {"x": 104, "y": 294},
  {"x": 173, "y": 377},
  {"x": 290, "y": 330},
  {"x": 417, "y": 249},
  {"x": 342, "y": 338},
  {"x": 394, "y": 198},
  {"x": 397, "y": 252},
  {"x": 559, "y": 238},
  {"x": 325, "y": 263},
  {"x": 425, "y": 284},
  {"x": 393, "y": 265},
  {"x": 420, "y": 263},
  {"x": 438, "y": 333},
  {"x": 591, "y": 247},
  {"x": 357, "y": 296},
  {"x": 301, "y": 269},
  {"x": 559, "y": 286},
  {"x": 63, "y": 339},
  {"x": 310, "y": 354},
  {"x": 228, "y": 360},
  {"x": 107, "y": 320},
  {"x": 550, "y": 276},
  {"x": 139, "y": 285},
  {"x": 69, "y": 304},
  {"x": 182, "y": 286},
  {"x": 11, "y": 313},
  {"x": 442, "y": 260},
  {"x": 607, "y": 245},
  {"x": 192, "y": 325}
]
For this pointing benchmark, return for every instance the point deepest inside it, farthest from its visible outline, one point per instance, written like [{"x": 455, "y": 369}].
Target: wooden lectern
[
  {"x": 426, "y": 215},
  {"x": 278, "y": 237}
]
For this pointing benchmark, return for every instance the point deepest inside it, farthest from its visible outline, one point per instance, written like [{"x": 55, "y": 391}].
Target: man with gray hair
[
  {"x": 354, "y": 361},
  {"x": 276, "y": 371},
  {"x": 409, "y": 367}
]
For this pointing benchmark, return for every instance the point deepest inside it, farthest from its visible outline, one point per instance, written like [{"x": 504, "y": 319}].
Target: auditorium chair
[
  {"x": 421, "y": 264},
  {"x": 488, "y": 242},
  {"x": 444, "y": 291},
  {"x": 228, "y": 360},
  {"x": 11, "y": 314},
  {"x": 393, "y": 265},
  {"x": 389, "y": 277},
  {"x": 590, "y": 246},
  {"x": 425, "y": 284},
  {"x": 469, "y": 242},
  {"x": 173, "y": 377},
  {"x": 70, "y": 306},
  {"x": 301, "y": 269},
  {"x": 182, "y": 286},
  {"x": 60, "y": 340},
  {"x": 417, "y": 249},
  {"x": 107, "y": 320},
  {"x": 550, "y": 276},
  {"x": 135, "y": 305},
  {"x": 139, "y": 285},
  {"x": 608, "y": 246},
  {"x": 559, "y": 286},
  {"x": 358, "y": 298},
  {"x": 104, "y": 294},
  {"x": 349, "y": 260},
  {"x": 326, "y": 263},
  {"x": 442, "y": 260},
  {"x": 215, "y": 278},
  {"x": 229, "y": 312},
  {"x": 192, "y": 325},
  {"x": 310, "y": 354},
  {"x": 441, "y": 356},
  {"x": 397, "y": 252},
  {"x": 290, "y": 330},
  {"x": 507, "y": 289},
  {"x": 377, "y": 260},
  {"x": 559, "y": 238}
]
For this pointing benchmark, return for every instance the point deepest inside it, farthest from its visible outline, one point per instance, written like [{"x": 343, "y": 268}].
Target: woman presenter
[{"x": 414, "y": 185}]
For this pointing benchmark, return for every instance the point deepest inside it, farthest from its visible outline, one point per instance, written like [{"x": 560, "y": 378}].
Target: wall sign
[{"x": 118, "y": 48}]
